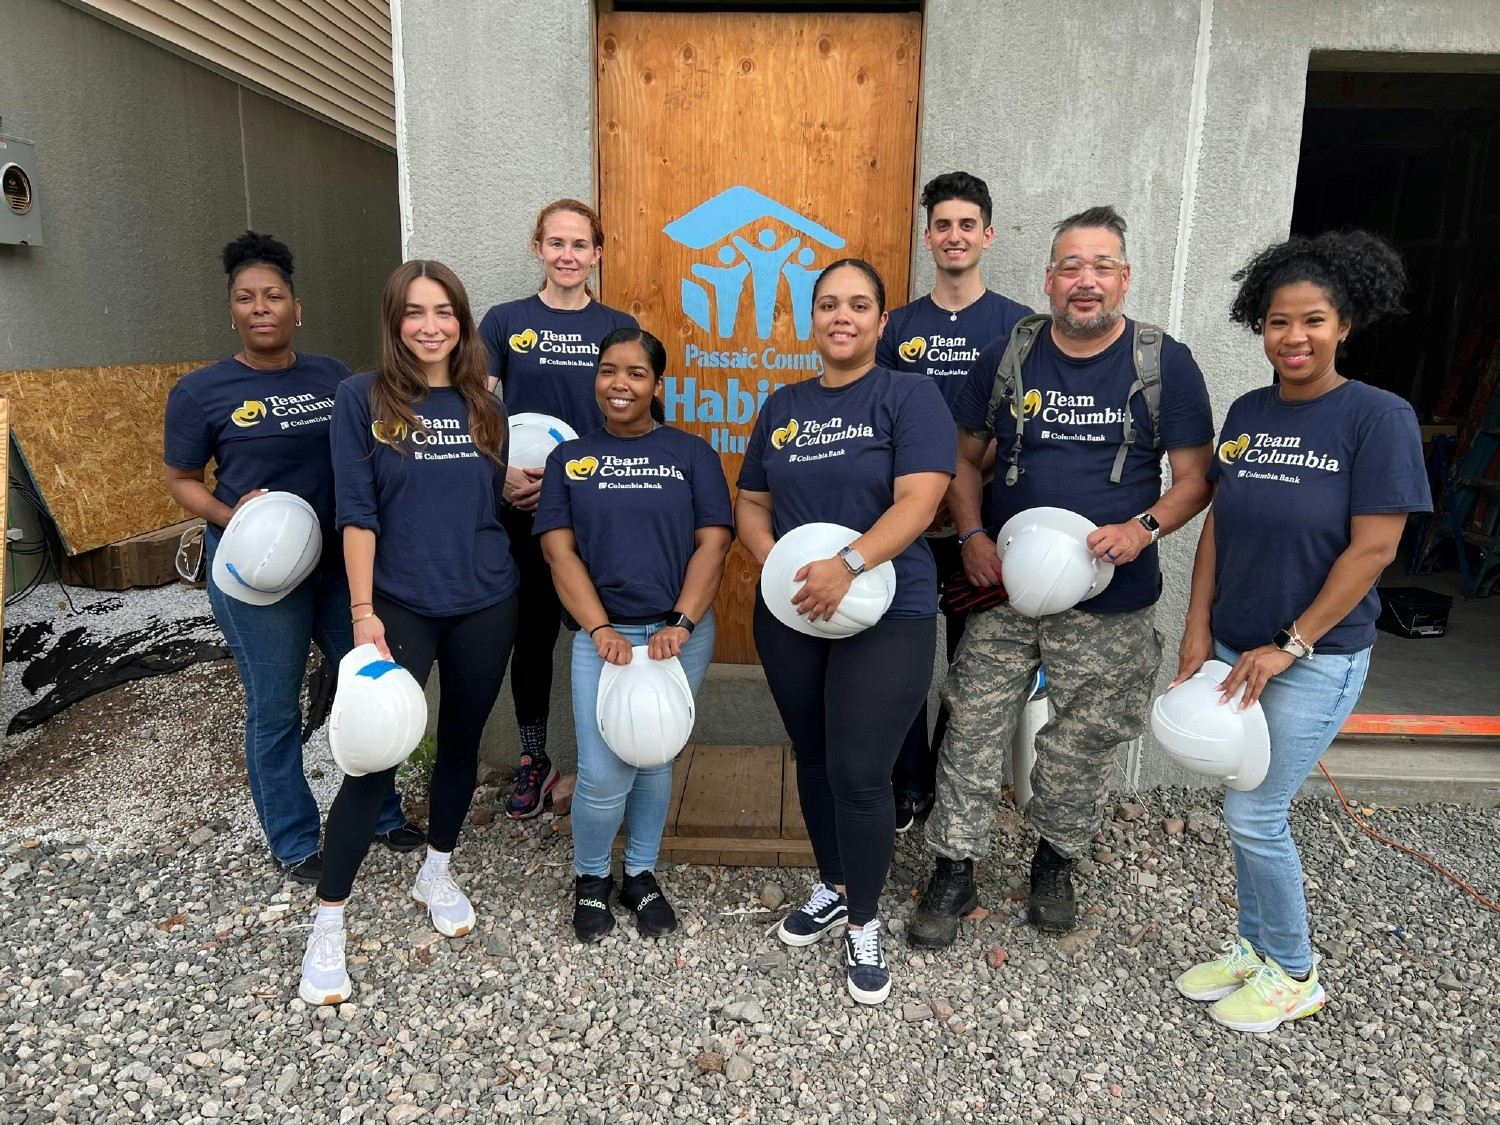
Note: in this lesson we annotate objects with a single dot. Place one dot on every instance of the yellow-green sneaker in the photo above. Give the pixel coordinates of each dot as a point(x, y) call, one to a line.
point(1213, 980)
point(1268, 999)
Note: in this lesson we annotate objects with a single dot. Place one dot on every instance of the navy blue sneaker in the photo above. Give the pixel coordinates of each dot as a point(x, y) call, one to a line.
point(814, 918)
point(869, 979)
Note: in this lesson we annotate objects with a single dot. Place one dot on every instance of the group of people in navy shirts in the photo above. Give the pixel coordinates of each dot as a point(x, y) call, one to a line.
point(437, 550)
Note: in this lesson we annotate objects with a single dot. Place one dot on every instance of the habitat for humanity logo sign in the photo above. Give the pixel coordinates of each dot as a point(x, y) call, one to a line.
point(745, 251)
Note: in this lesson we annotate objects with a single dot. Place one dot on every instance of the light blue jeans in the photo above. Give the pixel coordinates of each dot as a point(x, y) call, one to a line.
point(608, 789)
point(270, 645)
point(1305, 706)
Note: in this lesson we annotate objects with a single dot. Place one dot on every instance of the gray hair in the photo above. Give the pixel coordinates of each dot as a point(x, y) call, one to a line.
point(1105, 216)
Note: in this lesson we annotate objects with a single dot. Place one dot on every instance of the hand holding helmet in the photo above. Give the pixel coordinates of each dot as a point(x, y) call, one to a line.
point(1046, 564)
point(379, 713)
point(644, 709)
point(1201, 733)
point(805, 556)
point(824, 584)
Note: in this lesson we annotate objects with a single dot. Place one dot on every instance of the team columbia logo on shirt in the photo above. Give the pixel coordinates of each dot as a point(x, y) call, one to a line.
point(550, 346)
point(388, 435)
point(1031, 403)
point(523, 342)
point(814, 433)
point(1275, 449)
point(914, 349)
point(622, 472)
point(582, 468)
point(786, 433)
point(249, 414)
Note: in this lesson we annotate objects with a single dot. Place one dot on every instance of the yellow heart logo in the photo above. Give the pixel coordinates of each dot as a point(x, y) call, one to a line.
point(1231, 450)
point(582, 468)
point(914, 348)
point(780, 437)
point(249, 414)
point(1032, 403)
point(382, 433)
point(523, 341)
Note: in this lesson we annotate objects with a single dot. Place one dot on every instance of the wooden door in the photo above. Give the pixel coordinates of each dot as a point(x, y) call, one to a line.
point(739, 153)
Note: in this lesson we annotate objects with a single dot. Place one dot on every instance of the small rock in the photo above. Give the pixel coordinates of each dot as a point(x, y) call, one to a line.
point(1144, 879)
point(1130, 811)
point(978, 914)
point(212, 1039)
point(202, 836)
point(942, 1010)
point(996, 957)
point(745, 1011)
point(198, 1059)
point(1450, 983)
point(1077, 941)
point(1424, 1103)
point(402, 1114)
point(710, 1062)
point(1174, 826)
point(481, 816)
point(563, 826)
point(738, 1069)
point(914, 1011)
point(1104, 857)
point(562, 794)
point(772, 896)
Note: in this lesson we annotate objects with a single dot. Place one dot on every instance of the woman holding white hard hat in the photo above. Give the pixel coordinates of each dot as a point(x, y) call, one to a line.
point(418, 454)
point(1315, 475)
point(872, 449)
point(543, 352)
point(261, 416)
point(635, 524)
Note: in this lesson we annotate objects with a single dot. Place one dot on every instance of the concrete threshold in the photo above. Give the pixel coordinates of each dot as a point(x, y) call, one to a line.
point(1406, 771)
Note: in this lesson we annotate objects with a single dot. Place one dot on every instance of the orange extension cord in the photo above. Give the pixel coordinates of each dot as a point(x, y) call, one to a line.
point(1439, 868)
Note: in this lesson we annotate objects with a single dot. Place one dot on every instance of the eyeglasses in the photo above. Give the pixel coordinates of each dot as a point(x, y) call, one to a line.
point(1102, 267)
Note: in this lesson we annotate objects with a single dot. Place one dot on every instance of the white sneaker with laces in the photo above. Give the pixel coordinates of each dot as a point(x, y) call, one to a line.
point(324, 978)
point(869, 979)
point(447, 906)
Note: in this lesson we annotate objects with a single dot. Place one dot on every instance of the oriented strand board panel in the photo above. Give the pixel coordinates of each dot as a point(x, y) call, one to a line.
point(92, 439)
point(739, 154)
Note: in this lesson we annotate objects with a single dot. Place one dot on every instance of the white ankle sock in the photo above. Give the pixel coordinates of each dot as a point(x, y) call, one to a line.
point(436, 859)
point(330, 917)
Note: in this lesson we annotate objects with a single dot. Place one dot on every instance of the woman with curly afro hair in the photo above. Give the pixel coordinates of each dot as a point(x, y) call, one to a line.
point(237, 414)
point(1314, 476)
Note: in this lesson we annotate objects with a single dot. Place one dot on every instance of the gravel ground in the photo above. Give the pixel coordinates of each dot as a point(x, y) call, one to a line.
point(148, 970)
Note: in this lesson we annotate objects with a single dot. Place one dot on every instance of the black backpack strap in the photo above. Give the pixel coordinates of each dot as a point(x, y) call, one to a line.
point(1008, 386)
point(1146, 355)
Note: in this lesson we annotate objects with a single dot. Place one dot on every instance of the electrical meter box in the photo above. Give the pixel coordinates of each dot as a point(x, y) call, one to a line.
point(20, 187)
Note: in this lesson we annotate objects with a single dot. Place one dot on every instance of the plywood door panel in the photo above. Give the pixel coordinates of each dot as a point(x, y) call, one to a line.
point(739, 153)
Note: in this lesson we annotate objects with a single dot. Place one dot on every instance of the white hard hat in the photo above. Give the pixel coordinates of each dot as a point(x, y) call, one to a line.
point(1211, 739)
point(645, 709)
point(379, 713)
point(869, 596)
point(533, 436)
point(1045, 562)
point(271, 544)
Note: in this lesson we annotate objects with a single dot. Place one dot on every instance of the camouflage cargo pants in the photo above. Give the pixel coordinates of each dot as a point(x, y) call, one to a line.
point(1100, 671)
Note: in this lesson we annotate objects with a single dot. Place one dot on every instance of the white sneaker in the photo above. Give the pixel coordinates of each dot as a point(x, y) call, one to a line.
point(324, 978)
point(449, 909)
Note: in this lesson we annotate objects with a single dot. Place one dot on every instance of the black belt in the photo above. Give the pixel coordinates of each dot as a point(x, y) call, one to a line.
point(653, 619)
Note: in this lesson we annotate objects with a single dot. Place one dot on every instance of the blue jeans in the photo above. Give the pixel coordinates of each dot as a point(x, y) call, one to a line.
point(1305, 706)
point(608, 789)
point(270, 645)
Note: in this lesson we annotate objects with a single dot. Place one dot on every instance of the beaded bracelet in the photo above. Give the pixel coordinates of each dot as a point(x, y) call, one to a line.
point(966, 536)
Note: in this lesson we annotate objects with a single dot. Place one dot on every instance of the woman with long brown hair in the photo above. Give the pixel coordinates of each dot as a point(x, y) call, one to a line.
point(418, 456)
point(544, 350)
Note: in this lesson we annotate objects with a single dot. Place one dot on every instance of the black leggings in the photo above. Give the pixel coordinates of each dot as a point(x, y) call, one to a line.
point(847, 703)
point(538, 623)
point(471, 650)
point(916, 766)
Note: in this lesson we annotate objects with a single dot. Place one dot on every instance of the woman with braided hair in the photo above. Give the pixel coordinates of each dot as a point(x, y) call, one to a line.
point(1322, 470)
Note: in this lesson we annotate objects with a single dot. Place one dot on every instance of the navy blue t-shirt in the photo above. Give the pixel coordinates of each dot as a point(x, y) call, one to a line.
point(546, 358)
point(1074, 425)
point(1291, 475)
point(927, 340)
point(440, 549)
point(832, 455)
point(633, 505)
point(261, 429)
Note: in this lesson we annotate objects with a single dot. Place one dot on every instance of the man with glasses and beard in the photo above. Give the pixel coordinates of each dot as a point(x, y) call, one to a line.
point(1079, 378)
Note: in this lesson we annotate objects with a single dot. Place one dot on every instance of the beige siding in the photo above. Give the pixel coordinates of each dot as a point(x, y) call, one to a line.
point(332, 57)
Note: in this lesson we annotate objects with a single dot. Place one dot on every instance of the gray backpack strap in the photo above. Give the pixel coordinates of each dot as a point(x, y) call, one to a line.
point(1146, 354)
point(1008, 386)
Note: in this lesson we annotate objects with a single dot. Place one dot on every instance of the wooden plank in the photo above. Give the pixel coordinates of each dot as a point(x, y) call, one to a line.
point(732, 791)
point(739, 153)
point(714, 849)
point(680, 770)
point(4, 510)
point(793, 827)
point(1445, 726)
point(92, 439)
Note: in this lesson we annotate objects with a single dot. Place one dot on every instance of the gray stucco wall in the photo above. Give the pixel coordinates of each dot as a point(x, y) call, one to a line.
point(149, 164)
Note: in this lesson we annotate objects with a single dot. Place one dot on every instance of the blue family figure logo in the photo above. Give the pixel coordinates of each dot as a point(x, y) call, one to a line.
point(762, 262)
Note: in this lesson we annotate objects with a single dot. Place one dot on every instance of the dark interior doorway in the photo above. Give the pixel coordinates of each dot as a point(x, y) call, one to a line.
point(1414, 155)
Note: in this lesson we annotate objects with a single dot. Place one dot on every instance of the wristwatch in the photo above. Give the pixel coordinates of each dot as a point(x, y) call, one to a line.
point(1151, 524)
point(853, 561)
point(682, 621)
point(1287, 640)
